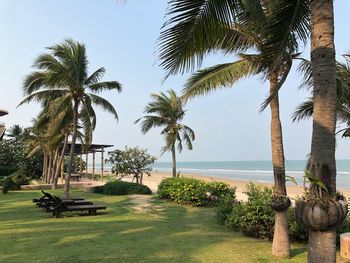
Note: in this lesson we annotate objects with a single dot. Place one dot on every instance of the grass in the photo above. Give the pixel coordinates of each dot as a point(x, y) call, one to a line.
point(166, 232)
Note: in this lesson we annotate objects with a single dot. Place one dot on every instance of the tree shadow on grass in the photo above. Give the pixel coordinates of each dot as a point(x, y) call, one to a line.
point(298, 251)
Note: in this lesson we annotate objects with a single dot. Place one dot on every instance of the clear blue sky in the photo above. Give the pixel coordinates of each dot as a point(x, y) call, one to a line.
point(122, 38)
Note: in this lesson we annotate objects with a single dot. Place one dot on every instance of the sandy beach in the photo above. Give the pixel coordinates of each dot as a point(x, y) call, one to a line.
point(156, 177)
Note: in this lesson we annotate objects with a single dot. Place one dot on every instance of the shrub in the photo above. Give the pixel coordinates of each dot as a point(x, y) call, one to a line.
point(297, 232)
point(254, 217)
point(8, 184)
point(7, 170)
point(225, 207)
point(193, 191)
point(122, 188)
point(20, 178)
point(14, 157)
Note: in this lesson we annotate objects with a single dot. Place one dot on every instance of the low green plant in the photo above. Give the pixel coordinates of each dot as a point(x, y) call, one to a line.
point(254, 217)
point(297, 232)
point(8, 184)
point(122, 188)
point(20, 177)
point(14, 181)
point(193, 191)
point(7, 170)
point(225, 207)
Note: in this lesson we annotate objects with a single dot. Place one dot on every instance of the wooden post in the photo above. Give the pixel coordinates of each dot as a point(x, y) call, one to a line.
point(102, 160)
point(93, 164)
point(86, 164)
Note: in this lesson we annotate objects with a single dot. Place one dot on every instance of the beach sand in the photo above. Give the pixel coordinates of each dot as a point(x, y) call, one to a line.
point(153, 181)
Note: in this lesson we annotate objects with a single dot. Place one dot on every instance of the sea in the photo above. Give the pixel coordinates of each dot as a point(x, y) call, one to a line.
point(255, 171)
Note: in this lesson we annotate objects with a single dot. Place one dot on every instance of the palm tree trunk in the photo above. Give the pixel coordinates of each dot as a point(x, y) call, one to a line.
point(60, 160)
point(280, 244)
point(72, 148)
point(173, 155)
point(49, 169)
point(54, 165)
point(321, 247)
point(44, 167)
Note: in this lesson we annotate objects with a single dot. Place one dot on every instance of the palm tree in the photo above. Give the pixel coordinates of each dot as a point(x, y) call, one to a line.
point(305, 109)
point(15, 132)
point(233, 27)
point(321, 246)
point(166, 110)
point(62, 74)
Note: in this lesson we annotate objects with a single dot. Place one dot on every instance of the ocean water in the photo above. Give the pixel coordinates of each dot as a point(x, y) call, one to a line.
point(257, 171)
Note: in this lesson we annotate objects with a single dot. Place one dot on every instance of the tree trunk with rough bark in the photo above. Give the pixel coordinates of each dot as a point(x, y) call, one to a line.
point(54, 164)
point(72, 147)
point(44, 167)
point(280, 244)
point(49, 169)
point(321, 246)
point(60, 161)
point(173, 158)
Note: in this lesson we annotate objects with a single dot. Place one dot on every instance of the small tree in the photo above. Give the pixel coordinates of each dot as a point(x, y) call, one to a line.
point(131, 161)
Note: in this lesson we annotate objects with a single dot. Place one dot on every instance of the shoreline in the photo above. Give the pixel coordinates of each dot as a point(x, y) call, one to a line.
point(156, 177)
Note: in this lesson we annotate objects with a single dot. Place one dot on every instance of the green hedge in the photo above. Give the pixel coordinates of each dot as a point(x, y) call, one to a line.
point(122, 188)
point(194, 191)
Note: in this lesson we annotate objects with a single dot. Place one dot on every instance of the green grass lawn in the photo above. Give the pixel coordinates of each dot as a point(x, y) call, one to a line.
point(165, 232)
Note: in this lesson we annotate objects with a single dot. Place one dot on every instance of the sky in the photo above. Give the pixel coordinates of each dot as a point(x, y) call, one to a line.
point(123, 39)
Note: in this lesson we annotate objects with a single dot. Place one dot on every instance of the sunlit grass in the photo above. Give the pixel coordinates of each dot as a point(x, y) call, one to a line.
point(167, 233)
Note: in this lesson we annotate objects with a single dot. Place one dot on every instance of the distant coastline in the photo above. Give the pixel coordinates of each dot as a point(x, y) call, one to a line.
point(256, 171)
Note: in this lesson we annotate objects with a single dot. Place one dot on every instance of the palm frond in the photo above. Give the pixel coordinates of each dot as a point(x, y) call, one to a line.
point(42, 95)
point(289, 22)
point(224, 75)
point(95, 77)
point(106, 85)
point(303, 111)
point(103, 103)
point(183, 40)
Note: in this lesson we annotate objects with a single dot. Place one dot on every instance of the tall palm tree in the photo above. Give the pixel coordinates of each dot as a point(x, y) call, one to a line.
point(233, 27)
point(322, 244)
point(62, 73)
point(166, 110)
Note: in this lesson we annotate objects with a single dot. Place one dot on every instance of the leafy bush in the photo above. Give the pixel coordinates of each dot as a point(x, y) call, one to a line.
point(254, 217)
point(225, 207)
point(122, 188)
point(13, 157)
point(8, 184)
point(297, 232)
point(20, 178)
point(194, 191)
point(14, 181)
point(7, 170)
